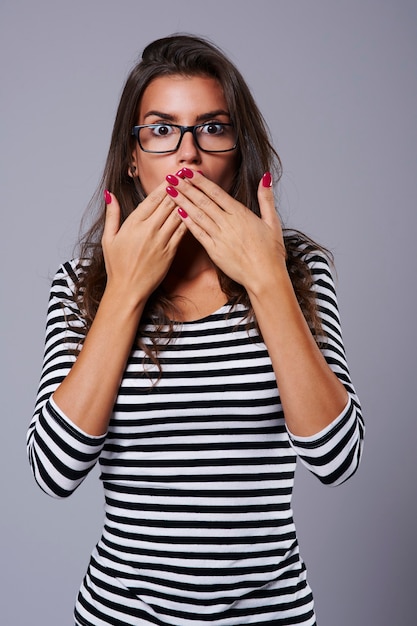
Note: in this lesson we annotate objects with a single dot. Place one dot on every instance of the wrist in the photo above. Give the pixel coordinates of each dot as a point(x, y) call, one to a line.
point(274, 281)
point(121, 302)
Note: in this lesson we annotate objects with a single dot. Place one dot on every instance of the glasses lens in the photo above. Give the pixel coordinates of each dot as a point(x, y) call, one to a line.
point(216, 137)
point(159, 137)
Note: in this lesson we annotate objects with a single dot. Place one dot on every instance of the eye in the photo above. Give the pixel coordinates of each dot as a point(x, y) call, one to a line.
point(162, 130)
point(213, 128)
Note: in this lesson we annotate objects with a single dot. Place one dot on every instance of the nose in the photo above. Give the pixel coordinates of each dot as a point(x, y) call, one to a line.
point(188, 151)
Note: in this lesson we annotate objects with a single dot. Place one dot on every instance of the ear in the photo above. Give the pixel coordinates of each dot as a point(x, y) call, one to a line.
point(133, 167)
point(132, 170)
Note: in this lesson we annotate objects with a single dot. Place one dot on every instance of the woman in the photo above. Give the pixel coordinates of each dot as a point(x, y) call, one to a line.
point(166, 345)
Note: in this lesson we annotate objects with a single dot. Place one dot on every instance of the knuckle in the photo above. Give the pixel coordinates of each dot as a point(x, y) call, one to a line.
point(205, 202)
point(216, 193)
point(199, 216)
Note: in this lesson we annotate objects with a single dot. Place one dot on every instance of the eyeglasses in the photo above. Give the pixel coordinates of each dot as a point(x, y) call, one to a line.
point(164, 138)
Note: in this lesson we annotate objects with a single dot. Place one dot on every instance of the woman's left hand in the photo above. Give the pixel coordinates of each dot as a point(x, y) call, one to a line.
point(250, 249)
point(245, 247)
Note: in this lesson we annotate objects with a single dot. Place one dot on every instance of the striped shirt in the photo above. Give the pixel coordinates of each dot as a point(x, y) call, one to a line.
point(197, 468)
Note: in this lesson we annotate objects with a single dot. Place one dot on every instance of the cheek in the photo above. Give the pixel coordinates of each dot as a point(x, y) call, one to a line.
point(152, 171)
point(148, 175)
point(228, 173)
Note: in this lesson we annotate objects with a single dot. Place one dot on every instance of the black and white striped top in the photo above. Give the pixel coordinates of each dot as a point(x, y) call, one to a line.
point(197, 472)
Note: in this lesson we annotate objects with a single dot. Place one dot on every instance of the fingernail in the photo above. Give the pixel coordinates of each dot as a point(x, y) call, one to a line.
point(187, 172)
point(267, 179)
point(200, 172)
point(172, 192)
point(183, 213)
point(180, 173)
point(173, 180)
point(107, 197)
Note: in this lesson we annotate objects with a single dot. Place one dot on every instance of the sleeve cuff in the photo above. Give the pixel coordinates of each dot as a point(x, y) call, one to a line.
point(326, 433)
point(72, 428)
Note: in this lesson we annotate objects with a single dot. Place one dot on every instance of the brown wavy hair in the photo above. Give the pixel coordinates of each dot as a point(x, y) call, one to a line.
point(188, 56)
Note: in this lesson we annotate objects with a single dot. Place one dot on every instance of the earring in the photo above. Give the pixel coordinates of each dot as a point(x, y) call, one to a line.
point(132, 171)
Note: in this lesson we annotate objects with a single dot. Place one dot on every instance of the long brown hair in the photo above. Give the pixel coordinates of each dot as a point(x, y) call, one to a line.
point(188, 56)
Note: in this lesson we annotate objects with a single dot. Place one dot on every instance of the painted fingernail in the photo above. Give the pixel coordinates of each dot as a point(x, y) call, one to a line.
point(180, 173)
point(267, 179)
point(107, 197)
point(200, 172)
point(173, 180)
point(187, 172)
point(171, 191)
point(183, 213)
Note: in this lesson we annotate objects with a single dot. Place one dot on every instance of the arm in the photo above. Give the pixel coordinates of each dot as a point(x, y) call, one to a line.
point(137, 256)
point(333, 454)
point(60, 454)
point(311, 394)
point(76, 394)
point(251, 251)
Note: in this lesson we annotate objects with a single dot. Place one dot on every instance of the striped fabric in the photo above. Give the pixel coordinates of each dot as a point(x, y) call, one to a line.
point(197, 470)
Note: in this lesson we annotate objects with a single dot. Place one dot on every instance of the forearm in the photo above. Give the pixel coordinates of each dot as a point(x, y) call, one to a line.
point(311, 394)
point(87, 394)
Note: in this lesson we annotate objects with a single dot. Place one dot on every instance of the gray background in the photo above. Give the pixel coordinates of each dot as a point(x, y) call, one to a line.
point(336, 81)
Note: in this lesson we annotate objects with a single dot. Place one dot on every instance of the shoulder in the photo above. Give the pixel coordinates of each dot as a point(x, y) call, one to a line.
point(302, 248)
point(68, 276)
point(310, 261)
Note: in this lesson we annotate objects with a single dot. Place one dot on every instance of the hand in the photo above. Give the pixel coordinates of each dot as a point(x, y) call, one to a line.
point(138, 253)
point(247, 248)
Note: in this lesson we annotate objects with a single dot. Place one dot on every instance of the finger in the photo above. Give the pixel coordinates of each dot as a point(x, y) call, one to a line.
point(213, 196)
point(266, 200)
point(199, 233)
point(178, 230)
point(204, 215)
point(173, 227)
point(155, 199)
point(112, 218)
point(207, 216)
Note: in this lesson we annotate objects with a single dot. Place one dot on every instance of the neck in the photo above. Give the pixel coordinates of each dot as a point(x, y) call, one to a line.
point(190, 261)
point(192, 282)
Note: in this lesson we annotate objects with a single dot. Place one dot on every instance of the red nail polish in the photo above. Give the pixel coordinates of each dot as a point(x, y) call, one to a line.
point(107, 197)
point(171, 191)
point(173, 180)
point(267, 179)
point(180, 173)
point(183, 213)
point(187, 172)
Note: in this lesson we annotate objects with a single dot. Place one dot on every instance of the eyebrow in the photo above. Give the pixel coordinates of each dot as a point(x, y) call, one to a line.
point(200, 118)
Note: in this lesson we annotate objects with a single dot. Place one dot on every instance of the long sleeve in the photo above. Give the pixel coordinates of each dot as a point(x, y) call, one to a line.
point(60, 454)
point(334, 453)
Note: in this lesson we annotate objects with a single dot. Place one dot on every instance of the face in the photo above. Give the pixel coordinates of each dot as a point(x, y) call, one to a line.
point(185, 101)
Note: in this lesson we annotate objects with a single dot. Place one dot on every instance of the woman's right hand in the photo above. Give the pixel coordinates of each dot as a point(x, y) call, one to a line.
point(137, 256)
point(139, 253)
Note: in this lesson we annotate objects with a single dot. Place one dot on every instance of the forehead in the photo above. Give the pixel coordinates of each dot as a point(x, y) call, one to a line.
point(182, 96)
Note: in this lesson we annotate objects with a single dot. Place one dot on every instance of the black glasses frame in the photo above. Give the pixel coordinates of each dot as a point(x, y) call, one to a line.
point(183, 130)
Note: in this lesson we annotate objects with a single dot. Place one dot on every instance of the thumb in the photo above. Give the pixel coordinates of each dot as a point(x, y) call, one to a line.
point(112, 219)
point(266, 199)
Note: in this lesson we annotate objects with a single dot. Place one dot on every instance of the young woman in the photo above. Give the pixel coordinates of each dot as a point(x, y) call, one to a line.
point(195, 351)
